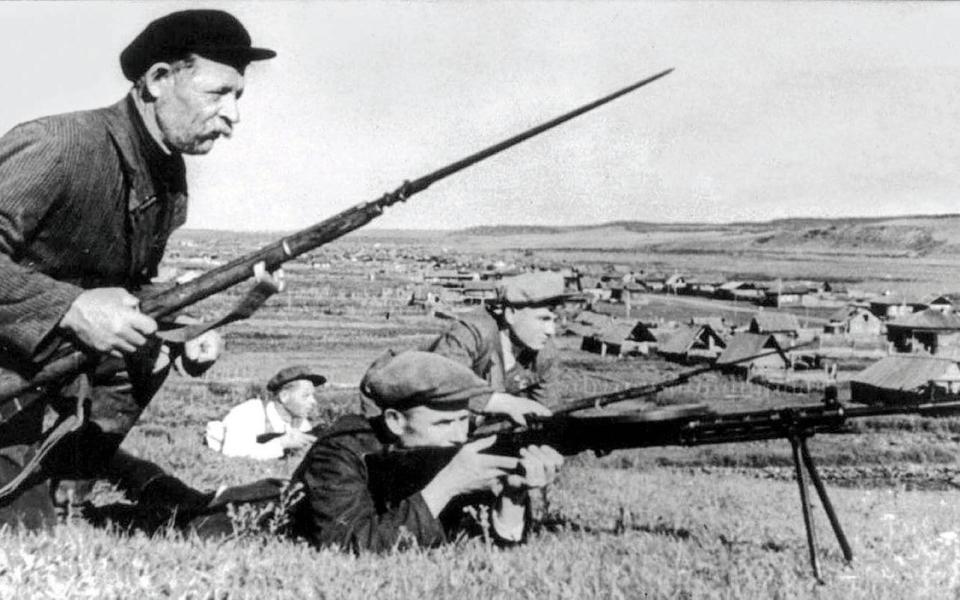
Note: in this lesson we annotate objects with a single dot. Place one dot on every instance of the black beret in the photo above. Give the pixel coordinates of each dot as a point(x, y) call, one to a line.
point(214, 34)
point(288, 374)
point(415, 378)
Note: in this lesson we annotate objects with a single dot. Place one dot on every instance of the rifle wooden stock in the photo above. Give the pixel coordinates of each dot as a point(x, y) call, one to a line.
point(69, 361)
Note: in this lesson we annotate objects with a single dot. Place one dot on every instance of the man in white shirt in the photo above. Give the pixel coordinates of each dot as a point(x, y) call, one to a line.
point(268, 428)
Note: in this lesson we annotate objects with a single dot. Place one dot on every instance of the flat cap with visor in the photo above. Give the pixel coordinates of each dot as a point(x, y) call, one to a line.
point(414, 378)
point(294, 373)
point(213, 34)
point(542, 288)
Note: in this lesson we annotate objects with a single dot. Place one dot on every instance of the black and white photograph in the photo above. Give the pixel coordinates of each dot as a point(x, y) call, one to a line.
point(470, 300)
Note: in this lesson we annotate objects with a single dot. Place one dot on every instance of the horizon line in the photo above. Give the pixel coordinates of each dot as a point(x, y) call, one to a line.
point(614, 223)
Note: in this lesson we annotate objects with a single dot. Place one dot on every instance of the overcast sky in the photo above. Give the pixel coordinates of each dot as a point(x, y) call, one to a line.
point(774, 110)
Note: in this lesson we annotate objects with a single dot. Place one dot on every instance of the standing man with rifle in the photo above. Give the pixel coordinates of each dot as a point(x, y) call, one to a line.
point(87, 202)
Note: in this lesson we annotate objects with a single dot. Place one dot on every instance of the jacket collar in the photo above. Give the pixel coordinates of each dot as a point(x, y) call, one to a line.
point(141, 156)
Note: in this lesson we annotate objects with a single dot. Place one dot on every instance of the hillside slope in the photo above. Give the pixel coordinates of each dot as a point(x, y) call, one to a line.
point(895, 237)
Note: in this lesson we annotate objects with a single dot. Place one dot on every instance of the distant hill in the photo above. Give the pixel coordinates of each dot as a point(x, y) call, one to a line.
point(655, 226)
point(912, 235)
point(905, 236)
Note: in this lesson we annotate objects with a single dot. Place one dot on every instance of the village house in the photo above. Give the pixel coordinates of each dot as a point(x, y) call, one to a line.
point(571, 279)
point(743, 291)
point(615, 340)
point(625, 292)
point(593, 289)
point(451, 279)
point(940, 303)
point(749, 353)
point(587, 323)
point(707, 289)
point(784, 325)
point(929, 331)
point(716, 322)
point(424, 296)
point(854, 321)
point(655, 282)
point(793, 294)
point(890, 307)
point(675, 284)
point(904, 379)
point(479, 292)
point(691, 343)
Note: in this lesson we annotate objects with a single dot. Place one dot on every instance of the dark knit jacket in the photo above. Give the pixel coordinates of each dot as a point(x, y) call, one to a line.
point(87, 199)
point(339, 507)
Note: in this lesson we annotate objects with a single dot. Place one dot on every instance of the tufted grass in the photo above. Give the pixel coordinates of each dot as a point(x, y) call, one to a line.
point(607, 534)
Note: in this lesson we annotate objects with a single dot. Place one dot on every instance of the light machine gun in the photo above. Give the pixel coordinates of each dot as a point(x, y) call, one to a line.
point(401, 473)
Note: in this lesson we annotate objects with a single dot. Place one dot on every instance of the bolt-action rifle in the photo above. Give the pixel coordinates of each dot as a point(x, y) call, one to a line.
point(398, 474)
point(16, 395)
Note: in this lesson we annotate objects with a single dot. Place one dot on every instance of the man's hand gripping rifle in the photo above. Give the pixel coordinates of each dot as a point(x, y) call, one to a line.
point(405, 472)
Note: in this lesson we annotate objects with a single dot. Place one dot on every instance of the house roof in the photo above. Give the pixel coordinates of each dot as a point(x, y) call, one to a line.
point(744, 345)
point(715, 322)
point(647, 332)
point(676, 278)
point(588, 282)
point(580, 329)
point(907, 372)
point(617, 333)
point(847, 312)
point(792, 288)
point(478, 286)
point(595, 319)
point(769, 321)
point(927, 319)
point(896, 301)
point(681, 339)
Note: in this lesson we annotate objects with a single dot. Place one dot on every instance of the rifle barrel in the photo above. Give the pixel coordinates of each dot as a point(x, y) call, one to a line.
point(273, 255)
point(649, 389)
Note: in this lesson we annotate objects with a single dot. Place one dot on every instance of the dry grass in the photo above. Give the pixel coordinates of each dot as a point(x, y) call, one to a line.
point(710, 522)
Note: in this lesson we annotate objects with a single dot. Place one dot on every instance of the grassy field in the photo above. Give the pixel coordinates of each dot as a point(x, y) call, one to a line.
point(708, 522)
point(610, 534)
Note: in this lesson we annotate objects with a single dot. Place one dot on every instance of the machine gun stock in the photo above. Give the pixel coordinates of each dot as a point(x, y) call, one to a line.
point(401, 473)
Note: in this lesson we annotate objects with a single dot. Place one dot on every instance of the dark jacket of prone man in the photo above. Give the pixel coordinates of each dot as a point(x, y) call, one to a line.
point(340, 506)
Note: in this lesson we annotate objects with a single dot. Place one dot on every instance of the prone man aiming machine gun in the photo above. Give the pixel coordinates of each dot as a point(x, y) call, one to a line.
point(401, 473)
